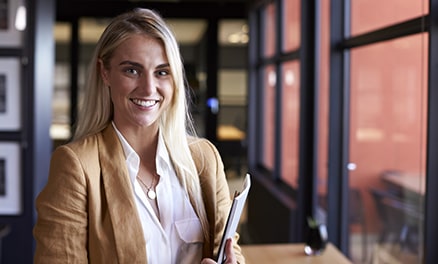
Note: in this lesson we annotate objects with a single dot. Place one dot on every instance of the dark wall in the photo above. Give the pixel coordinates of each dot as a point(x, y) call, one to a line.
point(17, 243)
point(271, 213)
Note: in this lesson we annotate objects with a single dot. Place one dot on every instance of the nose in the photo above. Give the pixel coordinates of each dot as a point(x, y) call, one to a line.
point(148, 83)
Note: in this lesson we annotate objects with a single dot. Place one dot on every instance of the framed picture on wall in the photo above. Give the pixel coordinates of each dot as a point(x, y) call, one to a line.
point(10, 178)
point(10, 91)
point(10, 36)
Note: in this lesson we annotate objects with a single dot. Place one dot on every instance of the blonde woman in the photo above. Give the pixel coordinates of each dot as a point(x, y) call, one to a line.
point(134, 185)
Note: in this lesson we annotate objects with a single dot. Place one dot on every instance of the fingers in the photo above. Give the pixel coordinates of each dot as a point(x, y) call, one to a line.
point(208, 261)
point(229, 252)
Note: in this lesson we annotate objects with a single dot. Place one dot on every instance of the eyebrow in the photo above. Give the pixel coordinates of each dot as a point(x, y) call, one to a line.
point(160, 66)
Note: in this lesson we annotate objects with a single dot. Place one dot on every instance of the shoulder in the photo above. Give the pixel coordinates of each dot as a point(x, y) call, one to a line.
point(202, 147)
point(204, 154)
point(87, 149)
point(80, 146)
point(90, 144)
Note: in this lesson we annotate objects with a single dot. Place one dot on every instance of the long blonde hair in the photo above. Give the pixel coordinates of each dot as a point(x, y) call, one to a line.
point(175, 124)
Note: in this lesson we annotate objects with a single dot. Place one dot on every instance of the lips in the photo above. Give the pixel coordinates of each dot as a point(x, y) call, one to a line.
point(145, 103)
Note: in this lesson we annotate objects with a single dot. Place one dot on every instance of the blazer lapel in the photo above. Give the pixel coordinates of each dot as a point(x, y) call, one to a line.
point(129, 241)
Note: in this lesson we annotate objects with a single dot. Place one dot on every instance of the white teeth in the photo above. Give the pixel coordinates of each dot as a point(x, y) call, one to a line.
point(144, 103)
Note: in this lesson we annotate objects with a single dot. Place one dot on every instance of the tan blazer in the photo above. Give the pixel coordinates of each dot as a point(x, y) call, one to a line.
point(87, 212)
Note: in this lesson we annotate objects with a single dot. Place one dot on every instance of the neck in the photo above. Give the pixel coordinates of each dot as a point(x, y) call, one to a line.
point(144, 141)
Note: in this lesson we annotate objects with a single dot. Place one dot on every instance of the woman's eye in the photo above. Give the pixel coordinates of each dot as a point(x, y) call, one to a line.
point(132, 71)
point(163, 72)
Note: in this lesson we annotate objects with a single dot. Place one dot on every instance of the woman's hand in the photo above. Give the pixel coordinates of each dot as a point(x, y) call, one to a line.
point(229, 252)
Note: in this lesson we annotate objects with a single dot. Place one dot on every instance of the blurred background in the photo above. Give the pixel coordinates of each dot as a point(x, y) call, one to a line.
point(330, 105)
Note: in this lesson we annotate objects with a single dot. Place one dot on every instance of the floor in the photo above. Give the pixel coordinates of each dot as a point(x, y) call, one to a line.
point(381, 253)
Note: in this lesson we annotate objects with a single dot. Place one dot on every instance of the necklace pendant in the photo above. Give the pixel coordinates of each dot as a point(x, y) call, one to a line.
point(151, 194)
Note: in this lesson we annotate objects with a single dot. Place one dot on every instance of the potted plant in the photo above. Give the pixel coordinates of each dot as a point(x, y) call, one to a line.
point(316, 239)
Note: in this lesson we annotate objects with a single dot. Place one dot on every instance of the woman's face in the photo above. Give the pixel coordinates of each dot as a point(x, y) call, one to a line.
point(140, 82)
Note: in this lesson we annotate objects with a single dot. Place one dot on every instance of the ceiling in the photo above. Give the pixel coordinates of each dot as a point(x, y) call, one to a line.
point(233, 28)
point(72, 9)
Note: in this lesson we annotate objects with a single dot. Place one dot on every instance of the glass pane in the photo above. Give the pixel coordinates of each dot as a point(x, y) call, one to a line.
point(291, 25)
point(387, 149)
point(60, 128)
point(231, 121)
point(290, 122)
point(269, 94)
point(323, 110)
point(367, 15)
point(269, 30)
point(90, 30)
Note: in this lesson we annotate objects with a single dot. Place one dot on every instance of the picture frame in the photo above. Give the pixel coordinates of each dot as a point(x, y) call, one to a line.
point(10, 94)
point(10, 179)
point(9, 35)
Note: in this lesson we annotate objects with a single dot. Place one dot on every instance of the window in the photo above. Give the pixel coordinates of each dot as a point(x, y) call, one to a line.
point(291, 25)
point(372, 119)
point(270, 80)
point(388, 101)
point(269, 35)
point(368, 15)
point(290, 122)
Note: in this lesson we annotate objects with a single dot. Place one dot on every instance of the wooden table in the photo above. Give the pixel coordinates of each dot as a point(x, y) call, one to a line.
point(230, 145)
point(412, 183)
point(290, 254)
point(230, 133)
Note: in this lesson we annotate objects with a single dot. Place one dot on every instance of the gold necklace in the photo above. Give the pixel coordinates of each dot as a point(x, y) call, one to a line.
point(150, 190)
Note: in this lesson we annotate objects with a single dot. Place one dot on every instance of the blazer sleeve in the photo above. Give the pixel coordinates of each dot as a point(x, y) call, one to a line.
point(216, 193)
point(61, 227)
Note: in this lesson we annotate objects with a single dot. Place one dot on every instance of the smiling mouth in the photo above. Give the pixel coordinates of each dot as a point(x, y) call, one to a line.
point(145, 103)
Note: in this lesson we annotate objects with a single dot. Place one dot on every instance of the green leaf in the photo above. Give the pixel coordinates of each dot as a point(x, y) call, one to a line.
point(312, 222)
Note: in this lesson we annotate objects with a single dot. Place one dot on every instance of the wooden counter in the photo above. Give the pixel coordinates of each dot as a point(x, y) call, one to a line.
point(413, 183)
point(290, 253)
point(230, 133)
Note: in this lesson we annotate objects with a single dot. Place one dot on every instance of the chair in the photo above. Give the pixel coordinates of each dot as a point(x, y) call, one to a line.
point(399, 220)
point(357, 216)
point(389, 223)
point(392, 188)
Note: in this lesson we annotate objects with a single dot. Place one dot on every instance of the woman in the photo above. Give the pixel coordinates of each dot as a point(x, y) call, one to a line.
point(133, 186)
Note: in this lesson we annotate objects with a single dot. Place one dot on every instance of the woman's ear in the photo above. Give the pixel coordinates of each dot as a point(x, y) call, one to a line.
point(103, 72)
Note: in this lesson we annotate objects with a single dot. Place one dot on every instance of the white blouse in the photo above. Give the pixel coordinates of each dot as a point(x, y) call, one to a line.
point(178, 237)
